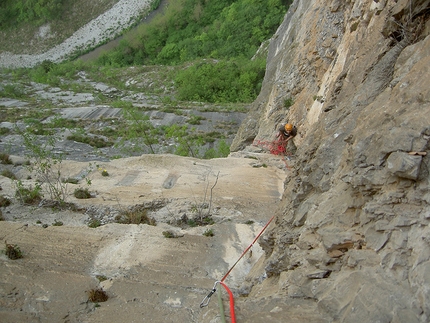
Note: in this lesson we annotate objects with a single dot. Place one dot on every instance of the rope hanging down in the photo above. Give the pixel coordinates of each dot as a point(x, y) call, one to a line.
point(207, 299)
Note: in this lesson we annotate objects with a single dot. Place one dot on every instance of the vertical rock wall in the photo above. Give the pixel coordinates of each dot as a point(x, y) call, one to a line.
point(353, 230)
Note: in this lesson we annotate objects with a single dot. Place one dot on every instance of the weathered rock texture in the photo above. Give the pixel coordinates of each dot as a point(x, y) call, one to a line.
point(352, 234)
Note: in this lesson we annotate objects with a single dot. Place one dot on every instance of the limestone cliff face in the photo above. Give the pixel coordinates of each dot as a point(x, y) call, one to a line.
point(353, 230)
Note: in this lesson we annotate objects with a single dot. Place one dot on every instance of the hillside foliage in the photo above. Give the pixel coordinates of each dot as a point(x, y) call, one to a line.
point(219, 37)
point(212, 44)
point(14, 12)
point(191, 29)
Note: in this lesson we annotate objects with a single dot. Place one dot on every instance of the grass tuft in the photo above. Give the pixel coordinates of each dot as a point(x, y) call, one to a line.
point(135, 216)
point(97, 295)
point(13, 251)
point(82, 193)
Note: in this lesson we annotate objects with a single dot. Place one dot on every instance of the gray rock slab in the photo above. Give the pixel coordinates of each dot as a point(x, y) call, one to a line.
point(404, 165)
point(92, 113)
point(10, 103)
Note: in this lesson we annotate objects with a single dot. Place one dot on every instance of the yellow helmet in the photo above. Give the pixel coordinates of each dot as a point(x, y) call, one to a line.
point(289, 127)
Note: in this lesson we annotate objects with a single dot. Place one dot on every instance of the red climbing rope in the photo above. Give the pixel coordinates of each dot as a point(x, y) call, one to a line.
point(275, 147)
point(206, 300)
point(230, 295)
point(246, 250)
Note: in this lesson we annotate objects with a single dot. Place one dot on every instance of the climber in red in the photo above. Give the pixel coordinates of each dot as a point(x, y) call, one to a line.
point(285, 134)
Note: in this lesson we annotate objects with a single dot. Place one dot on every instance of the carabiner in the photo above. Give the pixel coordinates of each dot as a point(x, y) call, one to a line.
point(206, 300)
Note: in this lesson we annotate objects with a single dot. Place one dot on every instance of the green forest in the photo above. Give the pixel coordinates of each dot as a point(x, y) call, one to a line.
point(212, 43)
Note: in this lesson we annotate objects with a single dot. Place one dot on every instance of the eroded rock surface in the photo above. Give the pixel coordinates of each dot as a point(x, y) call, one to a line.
point(357, 203)
point(146, 274)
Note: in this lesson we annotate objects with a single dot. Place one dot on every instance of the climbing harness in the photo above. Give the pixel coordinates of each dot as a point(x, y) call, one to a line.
point(207, 299)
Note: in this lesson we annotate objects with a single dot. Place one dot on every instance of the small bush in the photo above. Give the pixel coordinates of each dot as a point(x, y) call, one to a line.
point(12, 91)
point(82, 193)
point(135, 216)
point(192, 223)
point(4, 201)
point(47, 65)
point(208, 233)
point(101, 278)
point(154, 5)
point(9, 174)
point(201, 220)
point(288, 102)
point(94, 223)
point(168, 234)
point(94, 141)
point(105, 173)
point(29, 195)
point(5, 159)
point(195, 120)
point(57, 223)
point(13, 251)
point(4, 131)
point(97, 295)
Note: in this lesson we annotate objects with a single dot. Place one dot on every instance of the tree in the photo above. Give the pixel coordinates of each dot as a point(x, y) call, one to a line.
point(139, 127)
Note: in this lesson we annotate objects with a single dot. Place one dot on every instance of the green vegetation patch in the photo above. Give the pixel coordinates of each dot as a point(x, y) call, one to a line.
point(12, 91)
point(4, 131)
point(13, 251)
point(191, 29)
point(209, 233)
point(9, 174)
point(28, 195)
point(201, 33)
point(94, 223)
point(136, 215)
point(94, 141)
point(221, 81)
point(82, 193)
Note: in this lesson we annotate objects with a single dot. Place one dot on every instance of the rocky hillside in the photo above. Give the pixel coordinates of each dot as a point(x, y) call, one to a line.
point(351, 238)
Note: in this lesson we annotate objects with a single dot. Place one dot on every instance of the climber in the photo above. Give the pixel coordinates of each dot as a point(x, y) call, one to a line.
point(285, 133)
